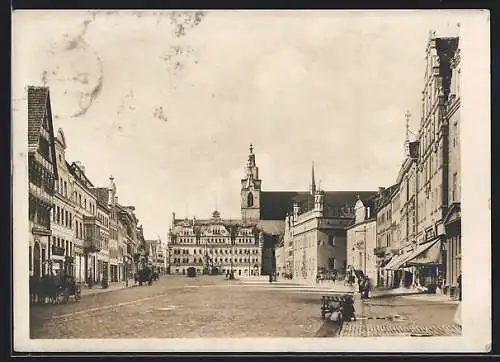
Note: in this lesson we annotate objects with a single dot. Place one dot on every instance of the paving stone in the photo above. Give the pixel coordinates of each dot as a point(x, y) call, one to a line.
point(213, 307)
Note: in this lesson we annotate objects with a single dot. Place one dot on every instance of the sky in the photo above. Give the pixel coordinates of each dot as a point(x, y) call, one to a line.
point(168, 103)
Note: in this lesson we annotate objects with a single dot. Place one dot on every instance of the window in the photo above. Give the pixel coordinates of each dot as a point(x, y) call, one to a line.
point(250, 200)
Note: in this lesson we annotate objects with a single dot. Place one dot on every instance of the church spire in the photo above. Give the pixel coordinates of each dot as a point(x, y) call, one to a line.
point(313, 181)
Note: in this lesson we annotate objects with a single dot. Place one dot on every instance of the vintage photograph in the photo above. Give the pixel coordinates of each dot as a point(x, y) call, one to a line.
point(240, 174)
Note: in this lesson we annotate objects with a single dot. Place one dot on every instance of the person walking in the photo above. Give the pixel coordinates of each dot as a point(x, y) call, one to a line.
point(459, 283)
point(366, 288)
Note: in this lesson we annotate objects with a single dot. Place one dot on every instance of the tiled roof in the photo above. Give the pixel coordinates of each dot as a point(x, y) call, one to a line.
point(101, 194)
point(272, 227)
point(275, 205)
point(37, 105)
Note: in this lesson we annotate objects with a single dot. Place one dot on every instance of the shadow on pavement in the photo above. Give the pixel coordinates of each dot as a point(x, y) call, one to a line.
point(329, 329)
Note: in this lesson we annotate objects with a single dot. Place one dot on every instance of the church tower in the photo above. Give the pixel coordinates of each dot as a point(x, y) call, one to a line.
point(250, 191)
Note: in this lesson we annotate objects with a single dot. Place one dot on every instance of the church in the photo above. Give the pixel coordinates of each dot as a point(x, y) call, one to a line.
point(247, 245)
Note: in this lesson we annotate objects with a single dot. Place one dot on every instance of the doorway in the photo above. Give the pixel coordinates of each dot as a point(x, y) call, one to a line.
point(36, 260)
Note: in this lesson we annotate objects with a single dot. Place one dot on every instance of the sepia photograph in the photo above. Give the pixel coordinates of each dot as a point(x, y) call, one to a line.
point(251, 181)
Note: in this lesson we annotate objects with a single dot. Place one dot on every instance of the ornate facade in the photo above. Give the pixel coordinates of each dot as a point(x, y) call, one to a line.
point(215, 244)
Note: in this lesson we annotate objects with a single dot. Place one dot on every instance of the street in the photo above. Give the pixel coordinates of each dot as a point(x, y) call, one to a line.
point(210, 306)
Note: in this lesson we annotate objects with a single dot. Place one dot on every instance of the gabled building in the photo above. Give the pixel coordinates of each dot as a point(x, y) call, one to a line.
point(42, 173)
point(66, 248)
point(362, 238)
point(85, 233)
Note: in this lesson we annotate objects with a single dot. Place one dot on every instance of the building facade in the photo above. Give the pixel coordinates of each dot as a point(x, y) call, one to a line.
point(214, 244)
point(386, 246)
point(64, 244)
point(429, 195)
point(362, 240)
point(319, 238)
point(452, 258)
point(42, 173)
point(85, 208)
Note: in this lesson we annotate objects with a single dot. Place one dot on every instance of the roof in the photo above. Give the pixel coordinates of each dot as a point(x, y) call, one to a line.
point(276, 204)
point(38, 107)
point(385, 196)
point(38, 101)
point(102, 195)
point(272, 227)
point(78, 173)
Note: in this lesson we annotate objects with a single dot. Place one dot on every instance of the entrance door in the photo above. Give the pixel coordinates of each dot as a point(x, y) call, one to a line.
point(36, 260)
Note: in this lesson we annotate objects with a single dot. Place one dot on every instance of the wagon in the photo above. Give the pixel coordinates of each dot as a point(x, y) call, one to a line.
point(343, 304)
point(144, 276)
point(54, 289)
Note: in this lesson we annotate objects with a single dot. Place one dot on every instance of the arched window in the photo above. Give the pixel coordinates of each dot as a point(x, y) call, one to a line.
point(250, 200)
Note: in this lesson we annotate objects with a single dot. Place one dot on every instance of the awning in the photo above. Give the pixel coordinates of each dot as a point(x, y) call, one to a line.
point(427, 254)
point(396, 262)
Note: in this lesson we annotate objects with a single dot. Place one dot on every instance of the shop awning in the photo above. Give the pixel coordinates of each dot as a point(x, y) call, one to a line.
point(396, 262)
point(426, 254)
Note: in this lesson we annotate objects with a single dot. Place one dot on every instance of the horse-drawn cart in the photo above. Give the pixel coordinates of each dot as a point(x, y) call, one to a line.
point(53, 289)
point(338, 307)
point(143, 276)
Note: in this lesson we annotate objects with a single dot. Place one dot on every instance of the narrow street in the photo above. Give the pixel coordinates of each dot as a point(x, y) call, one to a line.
point(180, 307)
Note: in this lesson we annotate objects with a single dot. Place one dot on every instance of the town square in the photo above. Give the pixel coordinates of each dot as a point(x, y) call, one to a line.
point(298, 176)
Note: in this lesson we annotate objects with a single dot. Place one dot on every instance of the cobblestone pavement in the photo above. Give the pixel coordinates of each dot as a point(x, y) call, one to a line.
point(402, 316)
point(180, 307)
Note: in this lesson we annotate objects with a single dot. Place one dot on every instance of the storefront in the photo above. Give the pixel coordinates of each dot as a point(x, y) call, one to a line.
point(417, 267)
point(452, 258)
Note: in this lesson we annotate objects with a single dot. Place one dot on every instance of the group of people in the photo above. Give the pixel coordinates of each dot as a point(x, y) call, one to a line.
point(364, 283)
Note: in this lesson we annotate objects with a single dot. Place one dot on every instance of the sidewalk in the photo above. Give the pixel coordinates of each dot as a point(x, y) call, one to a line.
point(97, 289)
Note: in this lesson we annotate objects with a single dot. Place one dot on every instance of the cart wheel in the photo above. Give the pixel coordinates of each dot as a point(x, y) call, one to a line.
point(66, 296)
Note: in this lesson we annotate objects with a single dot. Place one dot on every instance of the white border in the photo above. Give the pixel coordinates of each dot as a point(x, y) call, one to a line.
point(476, 236)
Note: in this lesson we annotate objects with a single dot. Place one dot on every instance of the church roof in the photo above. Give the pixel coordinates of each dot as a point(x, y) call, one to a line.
point(275, 205)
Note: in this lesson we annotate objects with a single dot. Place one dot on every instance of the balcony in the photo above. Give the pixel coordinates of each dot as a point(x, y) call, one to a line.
point(40, 194)
point(57, 250)
point(92, 242)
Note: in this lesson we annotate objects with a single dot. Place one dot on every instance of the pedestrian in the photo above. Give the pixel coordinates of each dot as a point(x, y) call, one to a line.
point(270, 277)
point(459, 283)
point(366, 288)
